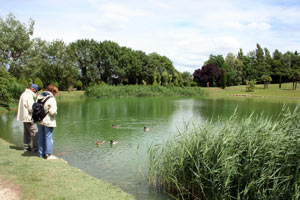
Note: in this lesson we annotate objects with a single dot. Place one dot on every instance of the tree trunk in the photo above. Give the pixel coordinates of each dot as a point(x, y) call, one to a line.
point(265, 85)
point(280, 81)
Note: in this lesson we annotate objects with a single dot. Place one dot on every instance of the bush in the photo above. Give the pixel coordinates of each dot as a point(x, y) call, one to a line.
point(39, 83)
point(250, 85)
point(78, 85)
point(23, 82)
point(15, 89)
point(252, 158)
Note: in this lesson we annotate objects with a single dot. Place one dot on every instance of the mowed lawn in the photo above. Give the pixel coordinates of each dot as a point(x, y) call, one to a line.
point(273, 91)
point(37, 178)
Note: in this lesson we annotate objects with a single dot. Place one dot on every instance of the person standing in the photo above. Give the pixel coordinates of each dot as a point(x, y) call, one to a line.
point(46, 126)
point(24, 115)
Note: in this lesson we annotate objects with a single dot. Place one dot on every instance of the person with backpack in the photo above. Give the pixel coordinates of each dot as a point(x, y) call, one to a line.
point(24, 115)
point(48, 122)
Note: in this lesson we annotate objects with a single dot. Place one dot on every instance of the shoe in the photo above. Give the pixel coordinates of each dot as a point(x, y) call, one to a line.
point(51, 157)
point(35, 151)
point(27, 150)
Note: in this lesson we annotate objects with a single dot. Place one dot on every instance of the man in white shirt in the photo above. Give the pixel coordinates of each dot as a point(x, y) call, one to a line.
point(24, 115)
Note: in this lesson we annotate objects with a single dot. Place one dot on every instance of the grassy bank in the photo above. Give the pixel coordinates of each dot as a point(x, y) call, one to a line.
point(51, 179)
point(253, 158)
point(105, 91)
point(273, 91)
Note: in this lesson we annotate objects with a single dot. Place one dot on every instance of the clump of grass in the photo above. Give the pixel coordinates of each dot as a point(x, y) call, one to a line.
point(252, 158)
point(105, 91)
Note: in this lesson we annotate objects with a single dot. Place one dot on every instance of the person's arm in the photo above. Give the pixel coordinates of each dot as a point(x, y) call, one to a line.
point(53, 107)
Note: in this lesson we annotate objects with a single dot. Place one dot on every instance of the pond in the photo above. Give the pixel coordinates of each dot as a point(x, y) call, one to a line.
point(81, 121)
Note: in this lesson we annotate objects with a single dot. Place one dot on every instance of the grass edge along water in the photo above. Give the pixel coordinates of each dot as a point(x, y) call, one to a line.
point(106, 91)
point(250, 158)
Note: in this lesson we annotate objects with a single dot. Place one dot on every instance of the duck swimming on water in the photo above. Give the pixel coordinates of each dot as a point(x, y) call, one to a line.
point(100, 142)
point(147, 128)
point(113, 141)
point(115, 126)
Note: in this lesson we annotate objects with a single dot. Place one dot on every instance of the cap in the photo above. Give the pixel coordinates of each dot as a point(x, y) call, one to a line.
point(35, 86)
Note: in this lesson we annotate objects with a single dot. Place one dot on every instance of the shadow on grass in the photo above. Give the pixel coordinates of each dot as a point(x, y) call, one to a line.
point(18, 148)
point(29, 153)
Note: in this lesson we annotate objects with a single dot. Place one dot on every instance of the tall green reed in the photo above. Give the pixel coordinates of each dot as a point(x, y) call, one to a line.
point(106, 91)
point(251, 158)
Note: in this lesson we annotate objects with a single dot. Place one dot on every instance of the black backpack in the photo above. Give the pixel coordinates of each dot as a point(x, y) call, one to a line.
point(38, 111)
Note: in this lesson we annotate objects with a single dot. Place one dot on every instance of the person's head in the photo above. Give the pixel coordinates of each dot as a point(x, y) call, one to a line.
point(52, 89)
point(34, 88)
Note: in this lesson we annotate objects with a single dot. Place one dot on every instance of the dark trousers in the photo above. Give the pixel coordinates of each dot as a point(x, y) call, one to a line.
point(30, 134)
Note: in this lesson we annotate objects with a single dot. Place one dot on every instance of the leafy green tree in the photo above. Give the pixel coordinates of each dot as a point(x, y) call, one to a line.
point(217, 60)
point(85, 55)
point(237, 68)
point(277, 66)
point(266, 80)
point(57, 66)
point(146, 73)
point(5, 80)
point(14, 42)
point(187, 78)
point(109, 60)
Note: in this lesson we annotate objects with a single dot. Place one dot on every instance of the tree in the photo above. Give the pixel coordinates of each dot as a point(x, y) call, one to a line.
point(237, 69)
point(85, 55)
point(209, 73)
point(14, 41)
point(217, 60)
point(57, 66)
point(266, 79)
point(109, 60)
point(187, 78)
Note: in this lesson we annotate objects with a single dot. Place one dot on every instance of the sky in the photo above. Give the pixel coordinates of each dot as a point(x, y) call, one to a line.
point(185, 31)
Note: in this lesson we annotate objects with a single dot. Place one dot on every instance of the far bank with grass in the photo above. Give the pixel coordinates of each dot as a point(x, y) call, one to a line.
point(40, 179)
point(273, 91)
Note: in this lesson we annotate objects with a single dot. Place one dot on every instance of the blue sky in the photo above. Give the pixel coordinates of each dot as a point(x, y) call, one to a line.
point(186, 31)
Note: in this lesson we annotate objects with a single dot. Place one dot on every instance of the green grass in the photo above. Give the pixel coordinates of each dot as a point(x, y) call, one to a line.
point(252, 158)
point(273, 91)
point(105, 91)
point(51, 179)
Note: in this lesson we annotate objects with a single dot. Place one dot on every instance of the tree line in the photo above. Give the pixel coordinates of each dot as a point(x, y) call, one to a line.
point(258, 66)
point(80, 64)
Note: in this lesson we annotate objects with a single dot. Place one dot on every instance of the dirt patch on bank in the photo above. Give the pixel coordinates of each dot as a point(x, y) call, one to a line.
point(9, 191)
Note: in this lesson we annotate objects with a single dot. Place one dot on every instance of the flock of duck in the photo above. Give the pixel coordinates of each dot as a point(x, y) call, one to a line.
point(112, 142)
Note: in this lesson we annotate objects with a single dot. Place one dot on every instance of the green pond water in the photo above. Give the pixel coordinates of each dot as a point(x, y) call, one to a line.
point(81, 121)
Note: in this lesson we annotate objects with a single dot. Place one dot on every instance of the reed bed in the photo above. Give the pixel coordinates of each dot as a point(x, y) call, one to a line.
point(106, 91)
point(251, 158)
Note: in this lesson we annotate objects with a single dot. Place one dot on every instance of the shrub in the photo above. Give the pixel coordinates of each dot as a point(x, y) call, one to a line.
point(250, 85)
point(39, 83)
point(78, 85)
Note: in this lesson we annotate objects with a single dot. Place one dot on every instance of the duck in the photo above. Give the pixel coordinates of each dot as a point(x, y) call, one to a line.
point(115, 126)
point(113, 141)
point(100, 142)
point(147, 128)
